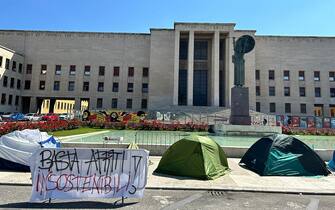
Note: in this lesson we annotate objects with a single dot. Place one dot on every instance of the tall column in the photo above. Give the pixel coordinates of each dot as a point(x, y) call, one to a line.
point(229, 71)
point(190, 62)
point(215, 69)
point(176, 67)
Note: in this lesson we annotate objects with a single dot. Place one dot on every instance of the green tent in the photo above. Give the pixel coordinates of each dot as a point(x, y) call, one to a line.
point(194, 156)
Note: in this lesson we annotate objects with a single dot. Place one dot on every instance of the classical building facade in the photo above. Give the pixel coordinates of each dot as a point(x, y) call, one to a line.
point(189, 66)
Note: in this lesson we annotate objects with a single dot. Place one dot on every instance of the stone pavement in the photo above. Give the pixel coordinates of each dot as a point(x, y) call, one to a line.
point(239, 179)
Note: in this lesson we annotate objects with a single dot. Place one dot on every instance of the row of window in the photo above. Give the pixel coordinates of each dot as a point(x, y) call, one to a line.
point(14, 65)
point(10, 99)
point(302, 91)
point(86, 86)
point(11, 83)
point(129, 103)
point(87, 70)
point(301, 75)
point(272, 107)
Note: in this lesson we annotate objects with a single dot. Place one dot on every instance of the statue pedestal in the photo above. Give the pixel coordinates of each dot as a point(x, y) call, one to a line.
point(240, 106)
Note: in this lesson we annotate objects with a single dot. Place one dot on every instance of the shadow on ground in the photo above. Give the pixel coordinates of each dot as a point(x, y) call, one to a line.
point(68, 205)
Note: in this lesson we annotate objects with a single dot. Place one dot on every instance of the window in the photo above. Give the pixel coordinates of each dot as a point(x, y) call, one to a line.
point(14, 66)
point(12, 82)
point(332, 76)
point(317, 92)
point(144, 87)
point(316, 76)
point(145, 72)
point(5, 81)
point(200, 50)
point(301, 75)
point(7, 63)
point(1, 61)
point(258, 91)
point(271, 74)
point(43, 69)
point(272, 107)
point(99, 103)
point(17, 98)
point(20, 68)
point(287, 108)
point(130, 87)
point(29, 68)
point(18, 84)
point(130, 71)
point(287, 91)
point(71, 86)
point(87, 70)
point(27, 84)
point(3, 98)
point(115, 87)
point(286, 75)
point(100, 87)
point(332, 92)
point(86, 86)
point(10, 99)
point(116, 71)
point(114, 103)
point(183, 49)
point(101, 70)
point(144, 104)
point(72, 70)
point(272, 91)
point(58, 70)
point(42, 85)
point(56, 85)
point(302, 91)
point(129, 103)
point(303, 109)
point(257, 76)
point(258, 106)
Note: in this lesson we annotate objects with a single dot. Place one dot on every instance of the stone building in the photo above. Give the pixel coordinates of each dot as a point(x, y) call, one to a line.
point(187, 67)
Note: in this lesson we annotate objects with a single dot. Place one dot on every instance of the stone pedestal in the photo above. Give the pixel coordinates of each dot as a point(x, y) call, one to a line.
point(240, 106)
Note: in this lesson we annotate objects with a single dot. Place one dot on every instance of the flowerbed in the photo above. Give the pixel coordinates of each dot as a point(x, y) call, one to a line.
point(46, 126)
point(148, 125)
point(308, 131)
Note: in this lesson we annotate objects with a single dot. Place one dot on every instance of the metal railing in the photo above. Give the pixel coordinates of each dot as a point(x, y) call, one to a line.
point(158, 137)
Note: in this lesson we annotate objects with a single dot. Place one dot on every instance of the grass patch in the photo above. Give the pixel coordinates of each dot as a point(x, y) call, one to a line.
point(81, 130)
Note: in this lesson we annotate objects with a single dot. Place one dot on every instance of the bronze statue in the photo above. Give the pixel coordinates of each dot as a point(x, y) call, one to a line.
point(243, 45)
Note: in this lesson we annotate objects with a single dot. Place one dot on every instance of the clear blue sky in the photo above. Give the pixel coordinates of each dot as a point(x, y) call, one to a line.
point(271, 17)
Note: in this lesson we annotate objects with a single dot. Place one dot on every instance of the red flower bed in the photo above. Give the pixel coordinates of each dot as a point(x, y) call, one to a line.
point(308, 131)
point(46, 126)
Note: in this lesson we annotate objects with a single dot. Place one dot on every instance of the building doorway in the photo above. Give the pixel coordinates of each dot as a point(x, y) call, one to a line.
point(318, 110)
point(25, 105)
point(200, 88)
point(332, 110)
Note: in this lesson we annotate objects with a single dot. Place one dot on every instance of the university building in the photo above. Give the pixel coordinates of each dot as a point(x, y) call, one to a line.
point(187, 67)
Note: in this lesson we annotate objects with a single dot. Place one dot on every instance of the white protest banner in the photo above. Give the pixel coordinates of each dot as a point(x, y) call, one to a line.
point(84, 173)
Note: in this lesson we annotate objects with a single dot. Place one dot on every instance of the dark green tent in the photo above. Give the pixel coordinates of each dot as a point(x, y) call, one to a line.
point(194, 156)
point(283, 155)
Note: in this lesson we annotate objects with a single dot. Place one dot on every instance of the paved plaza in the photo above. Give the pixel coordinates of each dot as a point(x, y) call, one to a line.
point(238, 179)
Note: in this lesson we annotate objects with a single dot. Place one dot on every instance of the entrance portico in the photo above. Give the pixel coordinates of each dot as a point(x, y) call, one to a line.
point(202, 61)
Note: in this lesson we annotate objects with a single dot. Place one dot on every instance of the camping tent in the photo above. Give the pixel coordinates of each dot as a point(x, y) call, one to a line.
point(17, 147)
point(194, 156)
point(331, 163)
point(282, 155)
